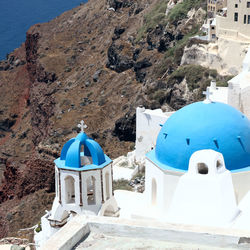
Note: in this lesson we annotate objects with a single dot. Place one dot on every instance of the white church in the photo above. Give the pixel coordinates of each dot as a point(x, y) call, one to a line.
point(197, 168)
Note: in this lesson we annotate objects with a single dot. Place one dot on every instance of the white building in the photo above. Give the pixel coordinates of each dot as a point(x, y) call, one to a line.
point(190, 152)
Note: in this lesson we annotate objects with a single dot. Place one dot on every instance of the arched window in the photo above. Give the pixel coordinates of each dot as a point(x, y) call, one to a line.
point(85, 160)
point(107, 186)
point(202, 168)
point(91, 190)
point(69, 189)
point(154, 192)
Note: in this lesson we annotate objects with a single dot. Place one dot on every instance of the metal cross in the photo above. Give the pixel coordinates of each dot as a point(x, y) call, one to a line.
point(207, 93)
point(82, 126)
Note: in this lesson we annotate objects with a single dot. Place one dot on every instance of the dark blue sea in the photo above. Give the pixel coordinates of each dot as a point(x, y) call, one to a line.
point(16, 16)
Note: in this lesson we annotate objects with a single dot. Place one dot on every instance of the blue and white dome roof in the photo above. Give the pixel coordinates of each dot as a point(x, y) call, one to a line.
point(201, 125)
point(77, 148)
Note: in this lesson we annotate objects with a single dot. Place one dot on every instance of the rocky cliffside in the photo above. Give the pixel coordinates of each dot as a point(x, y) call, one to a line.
point(97, 62)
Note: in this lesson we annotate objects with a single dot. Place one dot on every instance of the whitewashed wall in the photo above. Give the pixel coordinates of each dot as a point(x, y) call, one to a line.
point(147, 129)
point(241, 182)
point(166, 182)
point(204, 198)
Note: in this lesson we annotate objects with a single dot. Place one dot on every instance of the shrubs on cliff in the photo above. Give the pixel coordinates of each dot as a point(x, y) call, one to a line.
point(197, 77)
point(153, 18)
point(180, 11)
point(183, 86)
point(157, 16)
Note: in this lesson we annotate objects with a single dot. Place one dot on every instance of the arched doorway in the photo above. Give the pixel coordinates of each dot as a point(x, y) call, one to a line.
point(91, 190)
point(154, 192)
point(69, 189)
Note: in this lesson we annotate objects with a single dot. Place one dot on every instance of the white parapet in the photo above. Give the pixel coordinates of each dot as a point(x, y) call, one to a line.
point(205, 194)
point(218, 94)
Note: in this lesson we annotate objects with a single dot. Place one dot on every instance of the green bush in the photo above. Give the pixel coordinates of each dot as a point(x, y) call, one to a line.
point(159, 96)
point(39, 227)
point(154, 17)
point(181, 9)
point(121, 184)
point(197, 77)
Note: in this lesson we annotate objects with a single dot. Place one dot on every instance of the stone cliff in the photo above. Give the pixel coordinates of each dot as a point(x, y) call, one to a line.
point(97, 62)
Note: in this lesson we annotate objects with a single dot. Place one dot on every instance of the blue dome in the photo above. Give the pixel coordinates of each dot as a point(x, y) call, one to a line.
point(72, 153)
point(198, 126)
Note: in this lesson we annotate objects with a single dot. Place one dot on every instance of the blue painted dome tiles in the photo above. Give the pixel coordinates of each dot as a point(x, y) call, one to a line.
point(200, 126)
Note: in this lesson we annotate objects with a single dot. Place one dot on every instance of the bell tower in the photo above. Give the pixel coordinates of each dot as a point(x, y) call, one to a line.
point(84, 178)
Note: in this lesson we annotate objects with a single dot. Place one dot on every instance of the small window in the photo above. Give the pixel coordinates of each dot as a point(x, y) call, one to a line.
point(218, 165)
point(245, 18)
point(236, 5)
point(248, 4)
point(248, 19)
point(212, 28)
point(236, 16)
point(202, 168)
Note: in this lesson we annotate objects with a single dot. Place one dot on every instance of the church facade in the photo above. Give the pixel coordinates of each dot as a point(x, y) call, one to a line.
point(204, 148)
point(197, 171)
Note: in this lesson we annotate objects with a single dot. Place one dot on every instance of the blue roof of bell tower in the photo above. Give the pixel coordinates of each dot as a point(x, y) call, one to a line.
point(78, 147)
point(201, 125)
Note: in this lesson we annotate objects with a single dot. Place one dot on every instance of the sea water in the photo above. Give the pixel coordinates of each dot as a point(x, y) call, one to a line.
point(16, 16)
